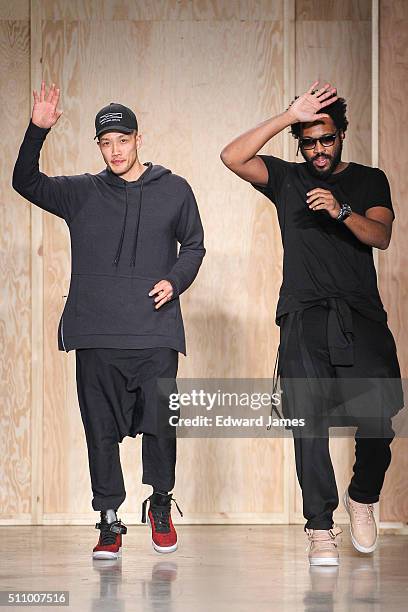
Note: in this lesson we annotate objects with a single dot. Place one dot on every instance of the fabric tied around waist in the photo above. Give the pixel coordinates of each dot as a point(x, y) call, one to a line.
point(340, 332)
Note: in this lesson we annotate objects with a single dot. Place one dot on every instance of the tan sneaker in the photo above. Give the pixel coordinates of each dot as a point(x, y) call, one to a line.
point(363, 528)
point(323, 546)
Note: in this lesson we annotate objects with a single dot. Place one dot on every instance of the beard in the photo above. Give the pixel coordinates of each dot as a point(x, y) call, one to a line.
point(333, 163)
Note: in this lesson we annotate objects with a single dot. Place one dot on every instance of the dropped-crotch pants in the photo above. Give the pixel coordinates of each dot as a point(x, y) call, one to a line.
point(119, 396)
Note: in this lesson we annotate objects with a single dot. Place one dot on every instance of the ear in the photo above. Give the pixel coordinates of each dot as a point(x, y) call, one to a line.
point(139, 141)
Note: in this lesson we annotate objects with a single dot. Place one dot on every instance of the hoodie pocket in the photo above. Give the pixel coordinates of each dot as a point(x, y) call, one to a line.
point(108, 304)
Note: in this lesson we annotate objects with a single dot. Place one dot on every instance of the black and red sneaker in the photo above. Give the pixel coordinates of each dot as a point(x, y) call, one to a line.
point(110, 538)
point(164, 536)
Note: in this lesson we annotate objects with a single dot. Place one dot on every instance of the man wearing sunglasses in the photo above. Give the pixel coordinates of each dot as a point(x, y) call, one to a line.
point(337, 363)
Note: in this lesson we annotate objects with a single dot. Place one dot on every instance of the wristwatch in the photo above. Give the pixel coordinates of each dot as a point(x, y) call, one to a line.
point(345, 212)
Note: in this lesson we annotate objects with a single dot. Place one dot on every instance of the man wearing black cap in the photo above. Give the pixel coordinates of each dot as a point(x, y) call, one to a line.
point(122, 315)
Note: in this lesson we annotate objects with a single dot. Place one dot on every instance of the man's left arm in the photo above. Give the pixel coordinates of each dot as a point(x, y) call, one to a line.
point(374, 228)
point(190, 235)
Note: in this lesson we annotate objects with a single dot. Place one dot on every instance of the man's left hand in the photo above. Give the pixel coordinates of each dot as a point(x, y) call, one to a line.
point(164, 292)
point(322, 199)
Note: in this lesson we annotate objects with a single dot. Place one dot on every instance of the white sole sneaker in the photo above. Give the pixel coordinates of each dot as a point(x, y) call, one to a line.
point(106, 554)
point(323, 561)
point(164, 549)
point(357, 546)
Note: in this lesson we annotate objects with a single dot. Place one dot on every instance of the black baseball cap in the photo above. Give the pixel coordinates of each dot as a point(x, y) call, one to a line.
point(115, 118)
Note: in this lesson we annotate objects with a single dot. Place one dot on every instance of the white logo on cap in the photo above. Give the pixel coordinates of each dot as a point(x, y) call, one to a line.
point(109, 117)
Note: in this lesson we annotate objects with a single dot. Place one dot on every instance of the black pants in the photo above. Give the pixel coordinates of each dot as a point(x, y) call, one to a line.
point(373, 347)
point(119, 396)
point(317, 480)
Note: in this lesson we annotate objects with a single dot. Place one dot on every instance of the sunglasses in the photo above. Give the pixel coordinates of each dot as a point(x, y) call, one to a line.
point(309, 143)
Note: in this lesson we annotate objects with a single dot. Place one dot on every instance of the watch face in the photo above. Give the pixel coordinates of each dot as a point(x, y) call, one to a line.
point(348, 211)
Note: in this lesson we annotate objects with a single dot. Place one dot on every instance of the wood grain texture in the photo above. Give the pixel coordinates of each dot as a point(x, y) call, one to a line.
point(251, 10)
point(333, 10)
point(15, 11)
point(120, 10)
point(393, 263)
point(37, 300)
point(15, 316)
point(168, 10)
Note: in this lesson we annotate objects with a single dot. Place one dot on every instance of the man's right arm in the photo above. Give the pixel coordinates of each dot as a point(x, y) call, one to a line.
point(52, 194)
point(240, 155)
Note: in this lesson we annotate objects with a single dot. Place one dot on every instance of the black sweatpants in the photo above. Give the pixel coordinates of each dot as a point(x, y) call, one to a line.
point(119, 396)
point(374, 352)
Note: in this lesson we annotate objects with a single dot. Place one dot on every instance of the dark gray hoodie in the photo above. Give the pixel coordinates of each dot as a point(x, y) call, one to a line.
point(124, 238)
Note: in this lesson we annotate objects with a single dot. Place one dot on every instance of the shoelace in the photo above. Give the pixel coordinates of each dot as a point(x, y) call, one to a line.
point(161, 514)
point(109, 531)
point(107, 536)
point(325, 539)
point(363, 513)
point(161, 518)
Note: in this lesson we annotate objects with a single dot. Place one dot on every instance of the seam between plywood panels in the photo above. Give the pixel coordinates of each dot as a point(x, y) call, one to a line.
point(375, 93)
point(289, 59)
point(375, 124)
point(37, 298)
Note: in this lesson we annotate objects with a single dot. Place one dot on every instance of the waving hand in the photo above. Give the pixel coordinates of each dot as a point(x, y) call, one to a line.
point(308, 106)
point(45, 113)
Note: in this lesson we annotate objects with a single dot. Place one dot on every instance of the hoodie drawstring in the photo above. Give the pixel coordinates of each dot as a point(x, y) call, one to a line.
point(119, 250)
point(133, 260)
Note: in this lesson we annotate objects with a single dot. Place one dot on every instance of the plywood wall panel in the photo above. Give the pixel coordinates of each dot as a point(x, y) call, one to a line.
point(251, 10)
point(235, 297)
point(120, 10)
point(333, 10)
point(174, 10)
point(15, 319)
point(19, 10)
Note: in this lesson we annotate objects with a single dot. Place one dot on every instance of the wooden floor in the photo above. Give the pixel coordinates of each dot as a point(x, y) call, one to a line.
point(217, 568)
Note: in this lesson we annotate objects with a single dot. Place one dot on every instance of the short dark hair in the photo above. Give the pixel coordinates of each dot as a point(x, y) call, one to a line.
point(336, 110)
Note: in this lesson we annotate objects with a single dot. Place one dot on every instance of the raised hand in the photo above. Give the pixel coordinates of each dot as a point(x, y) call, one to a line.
point(308, 106)
point(45, 113)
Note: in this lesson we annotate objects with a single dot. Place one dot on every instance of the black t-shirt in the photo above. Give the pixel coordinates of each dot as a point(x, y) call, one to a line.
point(322, 257)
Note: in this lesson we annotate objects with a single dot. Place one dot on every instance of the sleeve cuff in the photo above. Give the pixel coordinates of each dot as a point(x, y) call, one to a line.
point(36, 132)
point(174, 284)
